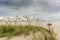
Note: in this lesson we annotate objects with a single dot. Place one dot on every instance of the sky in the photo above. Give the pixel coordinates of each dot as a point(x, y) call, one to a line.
point(48, 9)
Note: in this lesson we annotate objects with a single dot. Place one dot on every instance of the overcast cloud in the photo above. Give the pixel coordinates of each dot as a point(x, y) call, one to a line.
point(44, 8)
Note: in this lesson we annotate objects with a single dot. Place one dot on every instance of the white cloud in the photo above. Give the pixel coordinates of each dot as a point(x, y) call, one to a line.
point(55, 15)
point(34, 9)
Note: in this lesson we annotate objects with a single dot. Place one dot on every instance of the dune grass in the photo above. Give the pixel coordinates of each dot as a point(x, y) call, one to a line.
point(15, 30)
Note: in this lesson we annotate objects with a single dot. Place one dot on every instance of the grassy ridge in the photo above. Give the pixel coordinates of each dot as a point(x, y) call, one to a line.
point(9, 30)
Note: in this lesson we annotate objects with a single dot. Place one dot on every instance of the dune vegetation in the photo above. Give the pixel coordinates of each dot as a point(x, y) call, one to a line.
point(15, 30)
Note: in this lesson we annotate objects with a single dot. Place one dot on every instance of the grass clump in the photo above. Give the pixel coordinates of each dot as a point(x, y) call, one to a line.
point(9, 30)
point(6, 30)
